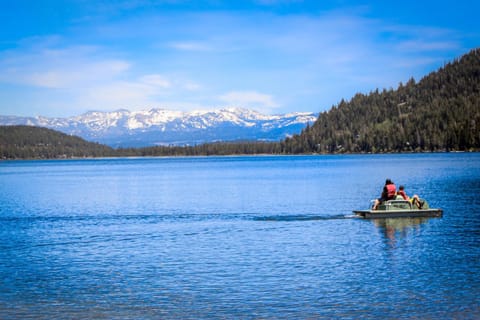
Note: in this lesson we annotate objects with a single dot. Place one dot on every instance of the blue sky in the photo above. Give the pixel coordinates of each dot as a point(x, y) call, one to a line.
point(63, 58)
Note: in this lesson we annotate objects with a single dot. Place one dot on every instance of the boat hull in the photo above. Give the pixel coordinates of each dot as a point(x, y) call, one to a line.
point(372, 214)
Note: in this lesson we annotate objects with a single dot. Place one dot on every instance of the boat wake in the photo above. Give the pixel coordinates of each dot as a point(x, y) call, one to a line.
point(302, 217)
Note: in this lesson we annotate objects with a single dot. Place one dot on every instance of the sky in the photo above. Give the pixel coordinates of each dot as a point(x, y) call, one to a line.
point(61, 58)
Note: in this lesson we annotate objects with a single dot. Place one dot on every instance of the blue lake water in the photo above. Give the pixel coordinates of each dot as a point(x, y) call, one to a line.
point(237, 237)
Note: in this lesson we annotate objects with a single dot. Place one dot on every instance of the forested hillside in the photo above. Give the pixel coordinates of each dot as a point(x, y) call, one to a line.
point(440, 112)
point(26, 142)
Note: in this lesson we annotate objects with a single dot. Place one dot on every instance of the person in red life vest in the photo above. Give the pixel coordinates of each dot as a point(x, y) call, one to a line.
point(414, 200)
point(389, 192)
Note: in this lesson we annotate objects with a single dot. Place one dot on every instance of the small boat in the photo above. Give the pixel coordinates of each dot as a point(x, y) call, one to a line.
point(400, 209)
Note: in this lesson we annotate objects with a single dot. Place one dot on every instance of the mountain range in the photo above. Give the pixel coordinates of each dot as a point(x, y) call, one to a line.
point(124, 128)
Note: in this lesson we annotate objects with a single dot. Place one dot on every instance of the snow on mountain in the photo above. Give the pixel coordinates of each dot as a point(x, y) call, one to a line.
point(123, 128)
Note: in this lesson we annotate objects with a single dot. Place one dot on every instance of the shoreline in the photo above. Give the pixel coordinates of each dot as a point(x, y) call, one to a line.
point(237, 155)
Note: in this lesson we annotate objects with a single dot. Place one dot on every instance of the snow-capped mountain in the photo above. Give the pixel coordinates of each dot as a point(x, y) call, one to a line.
point(123, 128)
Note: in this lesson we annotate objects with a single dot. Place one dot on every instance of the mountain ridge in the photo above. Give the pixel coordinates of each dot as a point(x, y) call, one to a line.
point(158, 126)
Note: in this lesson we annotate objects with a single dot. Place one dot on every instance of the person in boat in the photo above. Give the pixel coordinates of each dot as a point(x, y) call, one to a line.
point(389, 192)
point(401, 192)
point(413, 200)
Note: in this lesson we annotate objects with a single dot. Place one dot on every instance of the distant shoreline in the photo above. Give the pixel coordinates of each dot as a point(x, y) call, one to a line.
point(236, 155)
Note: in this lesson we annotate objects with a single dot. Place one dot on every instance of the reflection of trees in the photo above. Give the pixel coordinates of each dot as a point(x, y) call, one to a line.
point(392, 228)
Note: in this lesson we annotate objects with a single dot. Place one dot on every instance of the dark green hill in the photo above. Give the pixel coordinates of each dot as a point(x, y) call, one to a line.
point(26, 142)
point(440, 112)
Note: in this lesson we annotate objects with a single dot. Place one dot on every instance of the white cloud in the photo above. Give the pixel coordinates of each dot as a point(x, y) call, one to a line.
point(144, 91)
point(75, 66)
point(156, 80)
point(190, 46)
point(249, 99)
point(425, 45)
point(118, 94)
point(275, 2)
point(191, 86)
point(83, 73)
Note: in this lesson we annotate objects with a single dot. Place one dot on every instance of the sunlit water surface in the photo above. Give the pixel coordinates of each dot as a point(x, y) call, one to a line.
point(237, 237)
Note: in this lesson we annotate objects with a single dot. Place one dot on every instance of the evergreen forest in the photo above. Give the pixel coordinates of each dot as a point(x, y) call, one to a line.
point(439, 113)
point(27, 142)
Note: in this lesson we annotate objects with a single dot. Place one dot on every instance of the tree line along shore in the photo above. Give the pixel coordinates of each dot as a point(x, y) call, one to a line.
point(441, 112)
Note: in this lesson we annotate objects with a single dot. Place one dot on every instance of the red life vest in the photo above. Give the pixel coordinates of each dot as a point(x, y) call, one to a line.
point(391, 191)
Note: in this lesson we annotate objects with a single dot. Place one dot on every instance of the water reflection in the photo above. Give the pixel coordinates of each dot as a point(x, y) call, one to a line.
point(394, 229)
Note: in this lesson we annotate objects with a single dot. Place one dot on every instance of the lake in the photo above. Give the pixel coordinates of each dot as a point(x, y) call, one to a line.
point(237, 238)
